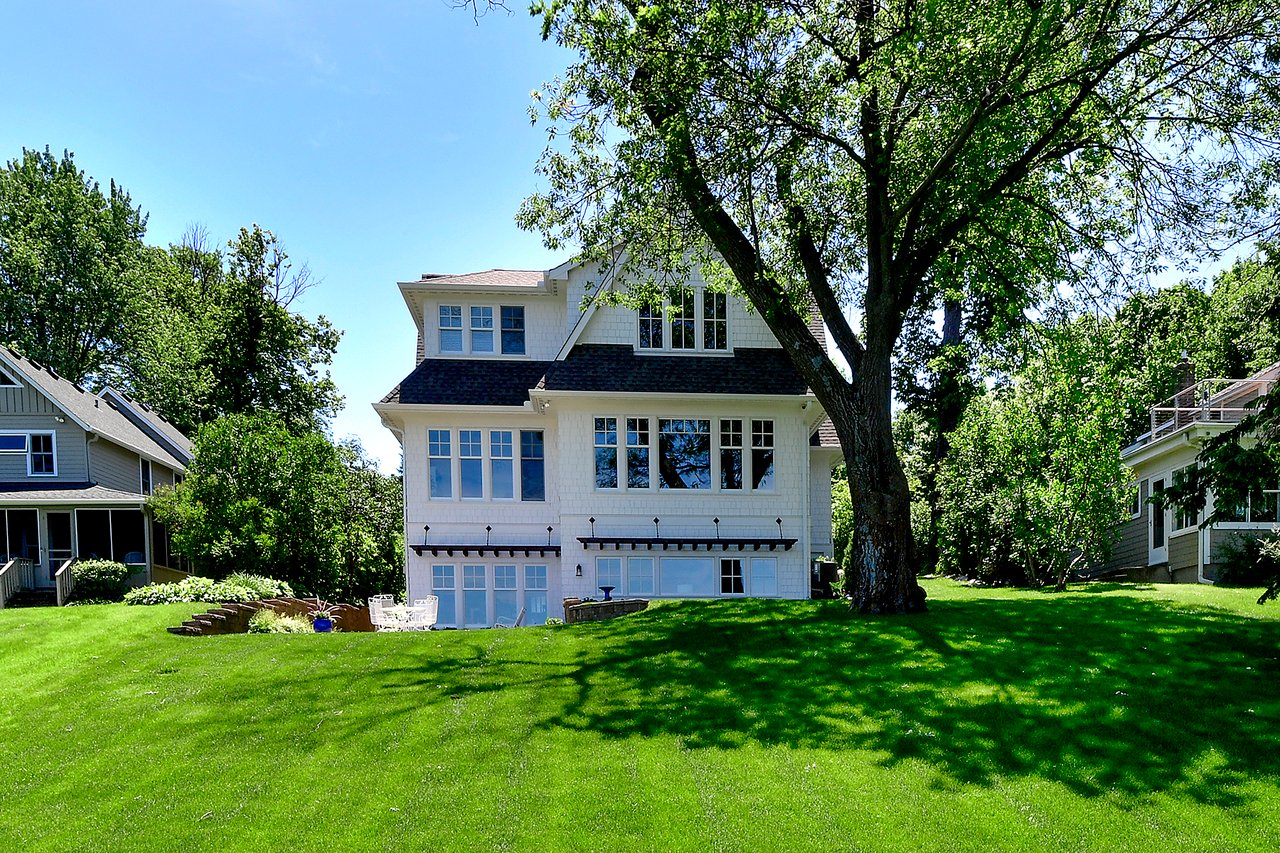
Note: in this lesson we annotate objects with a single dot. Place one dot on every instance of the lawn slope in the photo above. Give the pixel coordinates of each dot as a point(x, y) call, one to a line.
point(1112, 718)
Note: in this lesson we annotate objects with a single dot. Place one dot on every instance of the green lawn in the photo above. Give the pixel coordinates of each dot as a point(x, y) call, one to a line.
point(1113, 718)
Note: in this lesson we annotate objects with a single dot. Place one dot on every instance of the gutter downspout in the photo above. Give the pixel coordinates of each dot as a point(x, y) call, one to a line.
point(88, 456)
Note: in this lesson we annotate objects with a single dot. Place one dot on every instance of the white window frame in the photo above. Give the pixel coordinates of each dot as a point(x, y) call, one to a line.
point(53, 452)
point(741, 576)
point(600, 432)
point(146, 481)
point(513, 438)
point(479, 461)
point(746, 448)
point(1176, 528)
point(666, 318)
point(441, 328)
point(523, 330)
point(432, 456)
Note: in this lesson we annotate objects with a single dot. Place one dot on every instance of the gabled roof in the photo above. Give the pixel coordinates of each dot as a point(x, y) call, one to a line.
point(139, 430)
point(825, 435)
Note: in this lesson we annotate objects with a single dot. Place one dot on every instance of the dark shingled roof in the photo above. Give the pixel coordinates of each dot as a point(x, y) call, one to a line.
point(469, 382)
point(65, 493)
point(610, 367)
point(824, 435)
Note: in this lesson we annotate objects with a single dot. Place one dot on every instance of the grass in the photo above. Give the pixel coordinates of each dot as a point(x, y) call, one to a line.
point(1108, 718)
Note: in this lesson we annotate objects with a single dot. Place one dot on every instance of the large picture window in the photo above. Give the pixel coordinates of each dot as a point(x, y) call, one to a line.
point(693, 319)
point(684, 453)
point(532, 466)
point(606, 445)
point(638, 453)
point(440, 480)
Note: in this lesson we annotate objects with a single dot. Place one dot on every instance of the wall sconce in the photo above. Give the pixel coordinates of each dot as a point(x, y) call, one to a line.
point(579, 570)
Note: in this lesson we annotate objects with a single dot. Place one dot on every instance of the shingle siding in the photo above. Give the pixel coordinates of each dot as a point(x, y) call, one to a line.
point(114, 467)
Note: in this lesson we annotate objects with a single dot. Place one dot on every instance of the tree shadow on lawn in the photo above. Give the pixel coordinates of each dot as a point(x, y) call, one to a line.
point(1099, 694)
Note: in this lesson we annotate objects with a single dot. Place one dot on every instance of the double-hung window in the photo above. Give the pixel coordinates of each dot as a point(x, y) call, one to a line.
point(651, 321)
point(512, 329)
point(451, 328)
point(606, 445)
point(481, 329)
point(475, 605)
point(41, 460)
point(504, 593)
point(443, 587)
point(731, 454)
point(471, 465)
point(440, 481)
point(532, 466)
point(715, 324)
point(683, 321)
point(501, 466)
point(637, 453)
point(762, 455)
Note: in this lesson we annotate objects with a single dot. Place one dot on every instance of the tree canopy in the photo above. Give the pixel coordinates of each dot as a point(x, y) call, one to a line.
point(880, 158)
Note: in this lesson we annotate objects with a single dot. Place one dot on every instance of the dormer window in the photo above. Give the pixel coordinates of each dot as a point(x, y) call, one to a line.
point(513, 330)
point(481, 329)
point(694, 321)
point(451, 328)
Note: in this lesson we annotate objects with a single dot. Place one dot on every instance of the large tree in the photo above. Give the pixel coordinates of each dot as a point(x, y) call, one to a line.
point(68, 255)
point(876, 156)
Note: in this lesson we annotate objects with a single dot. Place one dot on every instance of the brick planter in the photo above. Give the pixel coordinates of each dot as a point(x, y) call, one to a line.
point(576, 610)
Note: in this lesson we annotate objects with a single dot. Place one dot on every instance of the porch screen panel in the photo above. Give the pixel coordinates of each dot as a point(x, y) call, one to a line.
point(24, 533)
point(93, 534)
point(128, 536)
point(688, 577)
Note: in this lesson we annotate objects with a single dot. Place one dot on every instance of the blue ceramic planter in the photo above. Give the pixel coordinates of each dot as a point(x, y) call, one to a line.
point(322, 625)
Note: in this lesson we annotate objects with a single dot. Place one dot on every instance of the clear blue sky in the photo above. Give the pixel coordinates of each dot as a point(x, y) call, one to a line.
point(379, 140)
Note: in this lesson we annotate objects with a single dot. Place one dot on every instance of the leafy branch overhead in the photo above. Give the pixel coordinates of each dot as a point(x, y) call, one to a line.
point(878, 160)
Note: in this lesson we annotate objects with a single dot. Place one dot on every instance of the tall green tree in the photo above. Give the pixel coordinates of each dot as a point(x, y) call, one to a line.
point(261, 497)
point(864, 155)
point(68, 253)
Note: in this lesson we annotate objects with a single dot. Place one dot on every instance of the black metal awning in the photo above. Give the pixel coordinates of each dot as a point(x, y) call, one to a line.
point(680, 543)
point(489, 550)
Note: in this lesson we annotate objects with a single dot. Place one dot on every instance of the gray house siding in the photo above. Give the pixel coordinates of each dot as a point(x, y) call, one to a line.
point(114, 467)
point(1184, 555)
point(22, 400)
point(69, 448)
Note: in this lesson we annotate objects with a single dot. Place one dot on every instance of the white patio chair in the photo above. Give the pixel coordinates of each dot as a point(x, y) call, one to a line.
point(423, 613)
point(377, 612)
point(504, 622)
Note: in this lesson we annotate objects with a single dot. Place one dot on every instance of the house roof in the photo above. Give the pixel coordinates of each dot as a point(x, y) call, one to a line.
point(825, 435)
point(619, 368)
point(65, 493)
point(486, 278)
point(596, 367)
point(105, 414)
point(469, 382)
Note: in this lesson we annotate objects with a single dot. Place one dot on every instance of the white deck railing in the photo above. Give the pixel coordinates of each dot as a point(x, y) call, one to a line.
point(65, 581)
point(17, 574)
point(1225, 401)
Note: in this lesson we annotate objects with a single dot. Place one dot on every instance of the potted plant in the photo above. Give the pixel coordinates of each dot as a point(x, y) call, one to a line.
point(322, 618)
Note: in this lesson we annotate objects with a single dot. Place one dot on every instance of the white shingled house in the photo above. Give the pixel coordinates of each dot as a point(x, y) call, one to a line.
point(550, 451)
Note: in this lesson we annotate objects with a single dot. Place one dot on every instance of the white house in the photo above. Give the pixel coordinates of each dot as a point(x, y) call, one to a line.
point(1168, 544)
point(551, 449)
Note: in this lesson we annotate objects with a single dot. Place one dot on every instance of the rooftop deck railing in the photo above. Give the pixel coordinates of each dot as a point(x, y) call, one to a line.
point(1209, 401)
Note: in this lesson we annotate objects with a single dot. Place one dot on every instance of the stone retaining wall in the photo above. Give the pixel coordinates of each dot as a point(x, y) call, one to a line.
point(576, 610)
point(233, 618)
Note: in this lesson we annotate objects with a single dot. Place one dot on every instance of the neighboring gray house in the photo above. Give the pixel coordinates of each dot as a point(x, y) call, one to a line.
point(75, 472)
point(1169, 545)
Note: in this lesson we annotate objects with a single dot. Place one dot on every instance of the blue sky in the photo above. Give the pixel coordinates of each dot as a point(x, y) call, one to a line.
point(379, 141)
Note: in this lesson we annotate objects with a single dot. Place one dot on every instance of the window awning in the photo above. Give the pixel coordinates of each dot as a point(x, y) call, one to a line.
point(680, 543)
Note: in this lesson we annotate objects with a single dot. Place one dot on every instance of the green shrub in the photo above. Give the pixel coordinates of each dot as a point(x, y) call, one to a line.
point(1244, 562)
point(99, 580)
point(269, 622)
point(237, 588)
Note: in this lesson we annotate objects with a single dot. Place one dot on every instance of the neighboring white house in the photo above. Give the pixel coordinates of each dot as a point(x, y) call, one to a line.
point(1168, 544)
point(551, 450)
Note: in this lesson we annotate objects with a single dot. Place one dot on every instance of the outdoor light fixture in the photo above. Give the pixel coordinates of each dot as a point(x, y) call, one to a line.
point(579, 571)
